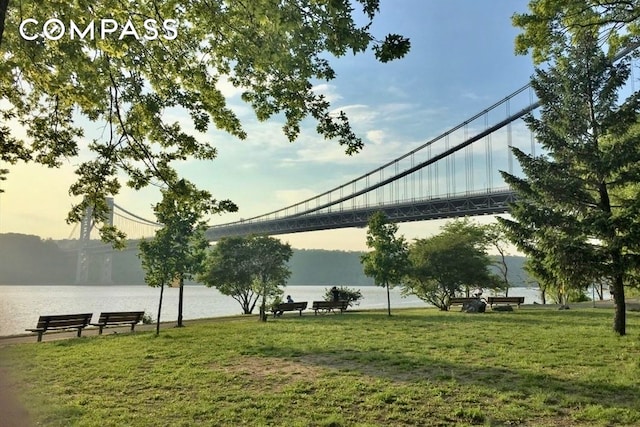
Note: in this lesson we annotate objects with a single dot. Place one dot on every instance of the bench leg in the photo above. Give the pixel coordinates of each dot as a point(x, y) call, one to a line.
point(133, 325)
point(40, 336)
point(79, 332)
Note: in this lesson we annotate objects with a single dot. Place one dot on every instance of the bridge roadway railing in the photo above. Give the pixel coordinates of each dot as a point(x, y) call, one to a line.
point(462, 204)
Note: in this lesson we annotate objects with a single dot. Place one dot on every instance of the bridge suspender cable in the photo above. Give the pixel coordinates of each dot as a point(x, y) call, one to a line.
point(139, 218)
point(425, 163)
point(440, 156)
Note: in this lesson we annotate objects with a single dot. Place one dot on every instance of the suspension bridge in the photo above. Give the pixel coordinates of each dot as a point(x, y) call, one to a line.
point(454, 174)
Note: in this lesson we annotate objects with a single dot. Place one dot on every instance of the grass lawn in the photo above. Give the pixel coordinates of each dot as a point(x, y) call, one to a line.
point(420, 367)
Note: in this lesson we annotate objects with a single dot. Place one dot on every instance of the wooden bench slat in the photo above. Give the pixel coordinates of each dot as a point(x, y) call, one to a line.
point(506, 300)
point(118, 318)
point(290, 306)
point(329, 306)
point(61, 321)
point(461, 300)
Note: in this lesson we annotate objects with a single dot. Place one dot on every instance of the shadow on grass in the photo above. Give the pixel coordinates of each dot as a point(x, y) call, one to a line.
point(401, 368)
point(549, 317)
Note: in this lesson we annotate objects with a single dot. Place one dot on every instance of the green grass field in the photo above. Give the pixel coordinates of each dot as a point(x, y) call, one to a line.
point(420, 367)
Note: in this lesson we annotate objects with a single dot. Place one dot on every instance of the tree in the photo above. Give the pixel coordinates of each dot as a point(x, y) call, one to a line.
point(270, 266)
point(552, 25)
point(575, 211)
point(388, 261)
point(247, 268)
point(158, 273)
point(178, 249)
point(497, 238)
point(228, 269)
point(449, 263)
point(124, 65)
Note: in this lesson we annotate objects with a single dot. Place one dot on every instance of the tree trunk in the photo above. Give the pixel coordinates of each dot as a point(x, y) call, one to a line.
point(263, 306)
point(543, 292)
point(253, 305)
point(388, 300)
point(620, 310)
point(159, 309)
point(180, 299)
point(4, 5)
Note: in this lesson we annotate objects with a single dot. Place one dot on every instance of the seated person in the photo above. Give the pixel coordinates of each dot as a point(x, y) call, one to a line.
point(289, 300)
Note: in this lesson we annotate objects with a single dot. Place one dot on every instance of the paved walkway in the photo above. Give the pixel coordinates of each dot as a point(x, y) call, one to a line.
point(87, 332)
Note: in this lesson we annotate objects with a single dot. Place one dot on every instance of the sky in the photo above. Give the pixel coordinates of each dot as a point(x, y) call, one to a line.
point(461, 61)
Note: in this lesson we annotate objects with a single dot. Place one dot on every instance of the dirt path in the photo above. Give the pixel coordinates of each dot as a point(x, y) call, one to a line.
point(12, 413)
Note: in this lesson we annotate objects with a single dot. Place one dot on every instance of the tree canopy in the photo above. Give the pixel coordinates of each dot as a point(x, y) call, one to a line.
point(552, 25)
point(388, 260)
point(449, 263)
point(247, 268)
point(123, 66)
point(177, 251)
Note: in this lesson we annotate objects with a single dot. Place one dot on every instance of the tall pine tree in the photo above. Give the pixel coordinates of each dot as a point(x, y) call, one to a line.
point(578, 209)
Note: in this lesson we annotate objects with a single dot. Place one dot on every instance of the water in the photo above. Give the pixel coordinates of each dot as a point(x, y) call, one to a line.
point(20, 306)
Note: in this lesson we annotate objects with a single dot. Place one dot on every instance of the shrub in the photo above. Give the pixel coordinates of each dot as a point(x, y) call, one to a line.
point(351, 295)
point(147, 319)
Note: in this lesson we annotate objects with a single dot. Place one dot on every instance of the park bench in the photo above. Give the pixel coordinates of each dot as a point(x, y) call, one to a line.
point(505, 300)
point(289, 306)
point(61, 321)
point(118, 318)
point(329, 306)
point(459, 301)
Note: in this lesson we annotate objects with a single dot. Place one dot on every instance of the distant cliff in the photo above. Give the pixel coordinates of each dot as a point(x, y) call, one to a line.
point(323, 267)
point(30, 260)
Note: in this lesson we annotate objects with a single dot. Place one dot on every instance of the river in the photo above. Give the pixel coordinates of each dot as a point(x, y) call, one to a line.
point(20, 306)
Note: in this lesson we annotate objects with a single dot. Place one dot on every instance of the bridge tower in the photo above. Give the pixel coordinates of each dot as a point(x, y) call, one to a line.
point(106, 259)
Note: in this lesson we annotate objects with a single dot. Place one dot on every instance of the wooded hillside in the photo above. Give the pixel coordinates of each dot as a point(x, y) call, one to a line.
point(30, 260)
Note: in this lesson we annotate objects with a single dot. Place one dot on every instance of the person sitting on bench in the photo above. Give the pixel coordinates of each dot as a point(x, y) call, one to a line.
point(289, 301)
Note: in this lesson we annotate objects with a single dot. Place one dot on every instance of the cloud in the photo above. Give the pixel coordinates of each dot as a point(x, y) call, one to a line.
point(329, 92)
point(227, 88)
point(289, 197)
point(376, 136)
point(359, 114)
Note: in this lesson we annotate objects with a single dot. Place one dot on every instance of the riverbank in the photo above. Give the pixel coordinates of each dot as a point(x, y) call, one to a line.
point(633, 305)
point(24, 304)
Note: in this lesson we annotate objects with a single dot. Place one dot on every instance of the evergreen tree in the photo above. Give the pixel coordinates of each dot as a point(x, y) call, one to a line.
point(577, 211)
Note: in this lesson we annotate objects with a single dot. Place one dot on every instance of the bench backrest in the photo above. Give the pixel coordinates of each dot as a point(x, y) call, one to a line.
point(518, 300)
point(290, 306)
point(120, 316)
point(330, 304)
point(60, 321)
